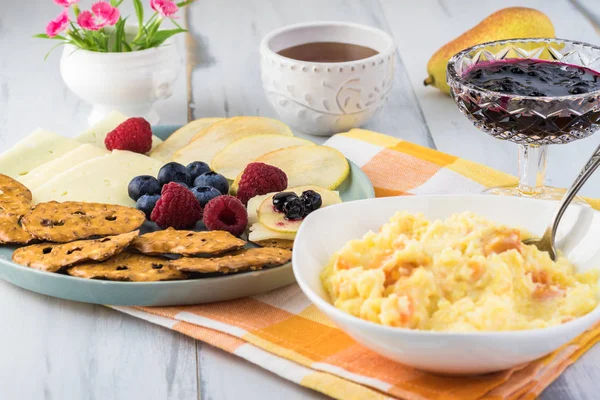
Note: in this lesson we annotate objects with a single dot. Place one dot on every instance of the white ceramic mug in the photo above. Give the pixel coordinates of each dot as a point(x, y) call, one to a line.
point(326, 98)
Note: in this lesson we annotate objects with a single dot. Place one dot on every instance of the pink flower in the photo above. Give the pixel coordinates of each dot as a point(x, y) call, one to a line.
point(166, 8)
point(102, 14)
point(58, 24)
point(66, 3)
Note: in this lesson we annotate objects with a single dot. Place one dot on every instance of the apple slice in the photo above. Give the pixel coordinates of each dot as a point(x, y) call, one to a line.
point(259, 232)
point(253, 205)
point(210, 141)
point(307, 165)
point(231, 161)
point(276, 221)
point(180, 138)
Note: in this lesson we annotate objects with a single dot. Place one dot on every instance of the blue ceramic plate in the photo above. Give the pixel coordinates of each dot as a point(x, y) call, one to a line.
point(357, 186)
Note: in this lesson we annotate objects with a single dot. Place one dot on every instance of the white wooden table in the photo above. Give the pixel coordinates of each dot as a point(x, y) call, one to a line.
point(54, 349)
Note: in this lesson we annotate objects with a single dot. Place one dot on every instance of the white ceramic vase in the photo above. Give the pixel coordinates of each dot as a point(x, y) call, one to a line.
point(126, 82)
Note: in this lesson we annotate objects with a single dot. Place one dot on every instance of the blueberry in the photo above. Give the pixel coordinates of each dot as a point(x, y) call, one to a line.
point(577, 90)
point(294, 209)
point(174, 172)
point(141, 185)
point(197, 168)
point(146, 203)
point(312, 200)
point(280, 199)
point(213, 179)
point(205, 193)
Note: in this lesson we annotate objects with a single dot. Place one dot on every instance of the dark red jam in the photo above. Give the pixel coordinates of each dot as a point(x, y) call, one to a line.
point(533, 78)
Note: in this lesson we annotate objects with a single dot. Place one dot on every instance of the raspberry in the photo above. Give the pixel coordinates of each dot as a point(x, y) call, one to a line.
point(177, 208)
point(259, 178)
point(226, 213)
point(134, 134)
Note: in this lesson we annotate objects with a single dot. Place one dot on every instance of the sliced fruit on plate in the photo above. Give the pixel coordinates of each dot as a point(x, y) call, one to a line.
point(181, 137)
point(253, 205)
point(276, 220)
point(231, 161)
point(307, 165)
point(259, 232)
point(206, 144)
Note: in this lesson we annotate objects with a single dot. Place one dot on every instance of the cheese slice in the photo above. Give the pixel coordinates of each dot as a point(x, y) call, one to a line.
point(103, 179)
point(97, 133)
point(45, 172)
point(260, 232)
point(34, 150)
point(180, 138)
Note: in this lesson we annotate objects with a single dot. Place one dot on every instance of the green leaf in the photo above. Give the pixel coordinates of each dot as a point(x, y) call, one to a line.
point(139, 12)
point(127, 46)
point(159, 37)
point(53, 47)
point(44, 36)
point(177, 25)
point(184, 3)
point(118, 38)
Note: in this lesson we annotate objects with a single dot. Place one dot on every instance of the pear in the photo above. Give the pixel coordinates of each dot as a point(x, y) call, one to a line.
point(508, 23)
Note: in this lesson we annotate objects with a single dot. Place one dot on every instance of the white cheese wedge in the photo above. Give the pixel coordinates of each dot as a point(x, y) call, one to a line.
point(45, 172)
point(34, 150)
point(97, 133)
point(260, 232)
point(103, 179)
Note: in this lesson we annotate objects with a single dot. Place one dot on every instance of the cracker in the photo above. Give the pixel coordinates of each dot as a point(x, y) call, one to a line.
point(53, 257)
point(276, 243)
point(15, 199)
point(11, 231)
point(187, 243)
point(71, 220)
point(240, 260)
point(129, 267)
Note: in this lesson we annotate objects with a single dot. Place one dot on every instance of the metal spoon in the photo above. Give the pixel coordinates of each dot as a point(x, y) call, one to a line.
point(546, 242)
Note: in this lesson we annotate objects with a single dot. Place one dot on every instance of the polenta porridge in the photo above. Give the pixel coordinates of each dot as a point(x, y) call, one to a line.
point(464, 273)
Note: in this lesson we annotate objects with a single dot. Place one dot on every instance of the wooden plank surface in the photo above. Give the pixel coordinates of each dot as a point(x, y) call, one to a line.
point(54, 349)
point(226, 80)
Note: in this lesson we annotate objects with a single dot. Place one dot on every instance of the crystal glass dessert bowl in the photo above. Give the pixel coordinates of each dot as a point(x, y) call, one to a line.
point(533, 92)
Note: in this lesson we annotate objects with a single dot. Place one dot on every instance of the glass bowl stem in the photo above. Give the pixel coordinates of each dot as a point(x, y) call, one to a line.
point(532, 168)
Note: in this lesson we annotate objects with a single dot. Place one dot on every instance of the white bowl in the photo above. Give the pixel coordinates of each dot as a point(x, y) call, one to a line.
point(327, 230)
point(327, 98)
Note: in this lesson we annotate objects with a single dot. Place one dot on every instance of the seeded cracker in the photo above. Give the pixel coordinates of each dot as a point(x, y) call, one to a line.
point(53, 257)
point(187, 243)
point(68, 221)
point(11, 231)
point(15, 200)
point(129, 267)
point(276, 243)
point(240, 260)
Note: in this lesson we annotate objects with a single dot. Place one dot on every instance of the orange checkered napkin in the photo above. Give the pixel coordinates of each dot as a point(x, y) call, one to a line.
point(284, 333)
